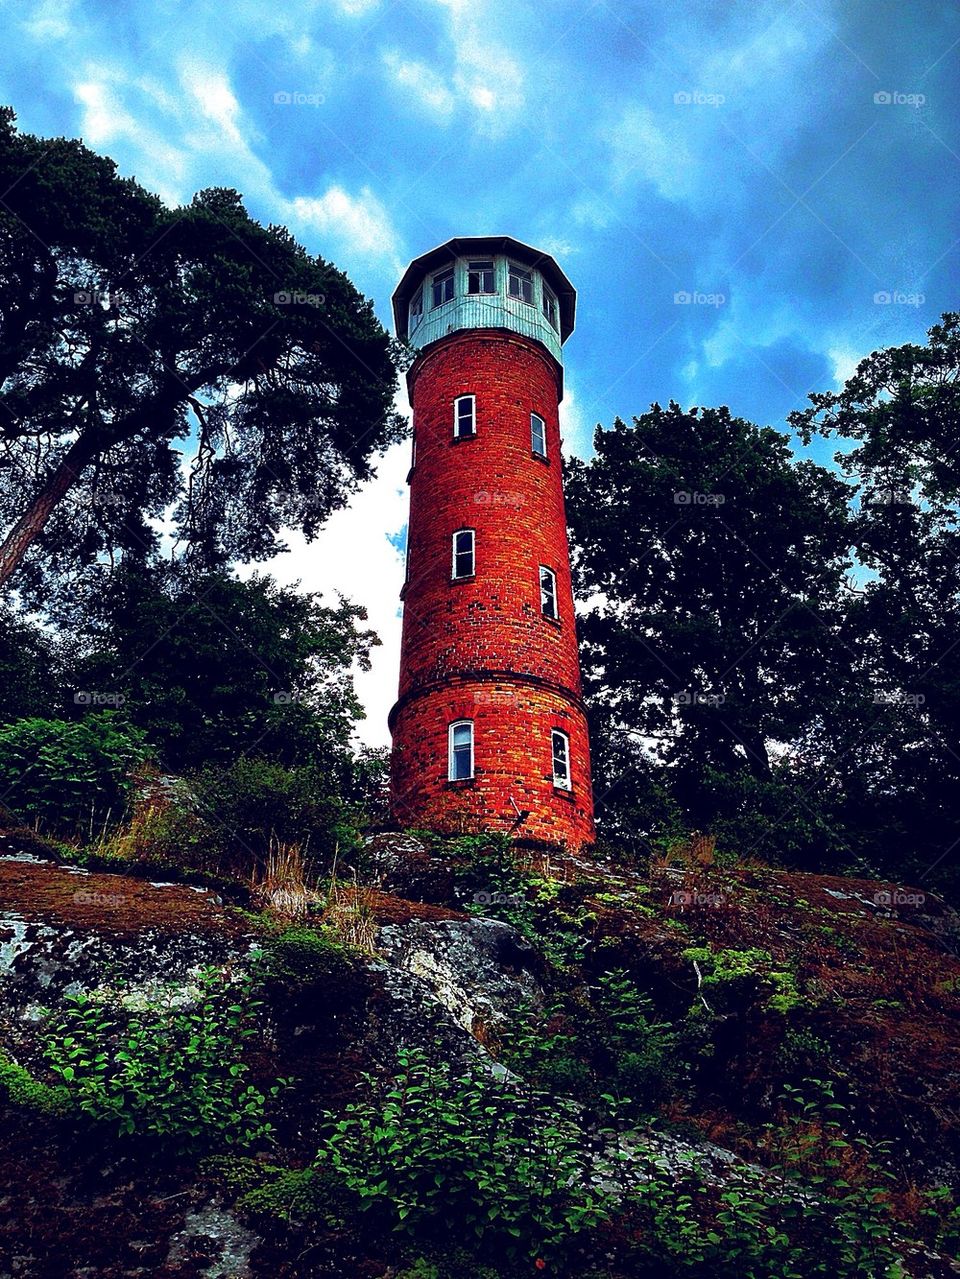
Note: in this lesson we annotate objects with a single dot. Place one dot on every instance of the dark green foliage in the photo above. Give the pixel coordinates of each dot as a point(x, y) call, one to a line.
point(443, 1151)
point(544, 1049)
point(643, 1050)
point(749, 1229)
point(169, 1068)
point(741, 681)
point(69, 777)
point(888, 760)
point(129, 327)
point(725, 560)
point(246, 803)
point(27, 681)
point(213, 668)
point(294, 1195)
point(729, 602)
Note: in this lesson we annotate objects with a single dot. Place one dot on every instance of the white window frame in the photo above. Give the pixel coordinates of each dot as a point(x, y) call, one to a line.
point(550, 595)
point(537, 417)
point(550, 307)
point(416, 308)
point(476, 266)
point(561, 780)
point(454, 575)
point(465, 435)
point(442, 276)
point(525, 275)
point(451, 758)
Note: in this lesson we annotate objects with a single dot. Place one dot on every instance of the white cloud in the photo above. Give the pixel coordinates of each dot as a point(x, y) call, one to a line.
point(359, 222)
point(484, 77)
point(209, 122)
point(353, 556)
point(642, 147)
point(210, 90)
point(844, 362)
point(557, 246)
point(103, 118)
point(576, 432)
point(422, 83)
point(50, 21)
point(489, 77)
point(356, 8)
point(104, 122)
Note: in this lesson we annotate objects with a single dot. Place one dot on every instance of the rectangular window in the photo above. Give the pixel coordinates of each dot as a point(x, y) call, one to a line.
point(548, 592)
point(464, 416)
point(520, 283)
point(481, 278)
point(460, 753)
point(550, 306)
point(416, 308)
point(538, 435)
point(561, 759)
point(463, 553)
point(443, 286)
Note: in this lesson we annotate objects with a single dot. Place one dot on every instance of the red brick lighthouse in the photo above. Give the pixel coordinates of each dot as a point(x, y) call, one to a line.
point(489, 727)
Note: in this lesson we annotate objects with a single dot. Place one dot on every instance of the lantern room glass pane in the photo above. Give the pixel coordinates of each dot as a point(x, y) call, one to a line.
point(550, 307)
point(443, 286)
point(520, 283)
point(481, 277)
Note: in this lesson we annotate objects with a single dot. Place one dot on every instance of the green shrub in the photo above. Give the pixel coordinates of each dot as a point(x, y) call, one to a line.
point(642, 1048)
point(172, 1070)
point(440, 1150)
point(71, 777)
point(252, 800)
point(752, 1228)
point(546, 1053)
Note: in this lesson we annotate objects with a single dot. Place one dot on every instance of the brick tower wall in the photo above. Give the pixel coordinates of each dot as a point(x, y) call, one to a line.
point(480, 649)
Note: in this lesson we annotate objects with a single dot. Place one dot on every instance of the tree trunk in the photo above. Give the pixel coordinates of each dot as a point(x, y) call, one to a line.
point(30, 524)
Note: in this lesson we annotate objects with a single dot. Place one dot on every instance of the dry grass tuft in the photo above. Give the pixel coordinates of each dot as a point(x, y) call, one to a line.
point(283, 888)
point(350, 914)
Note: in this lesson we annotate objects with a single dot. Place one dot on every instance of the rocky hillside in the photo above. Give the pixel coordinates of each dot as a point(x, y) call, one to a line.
point(472, 1061)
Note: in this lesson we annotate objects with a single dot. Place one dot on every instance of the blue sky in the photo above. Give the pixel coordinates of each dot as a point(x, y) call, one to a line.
point(783, 163)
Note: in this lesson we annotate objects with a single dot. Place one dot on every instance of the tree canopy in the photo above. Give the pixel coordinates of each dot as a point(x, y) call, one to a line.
point(155, 359)
point(770, 646)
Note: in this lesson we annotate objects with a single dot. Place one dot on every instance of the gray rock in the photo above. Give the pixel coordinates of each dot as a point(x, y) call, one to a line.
point(479, 970)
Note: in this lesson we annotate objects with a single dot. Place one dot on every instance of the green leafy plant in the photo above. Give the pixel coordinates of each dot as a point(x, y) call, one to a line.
point(752, 1225)
point(539, 1045)
point(441, 1149)
point(172, 1069)
point(70, 777)
point(643, 1048)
